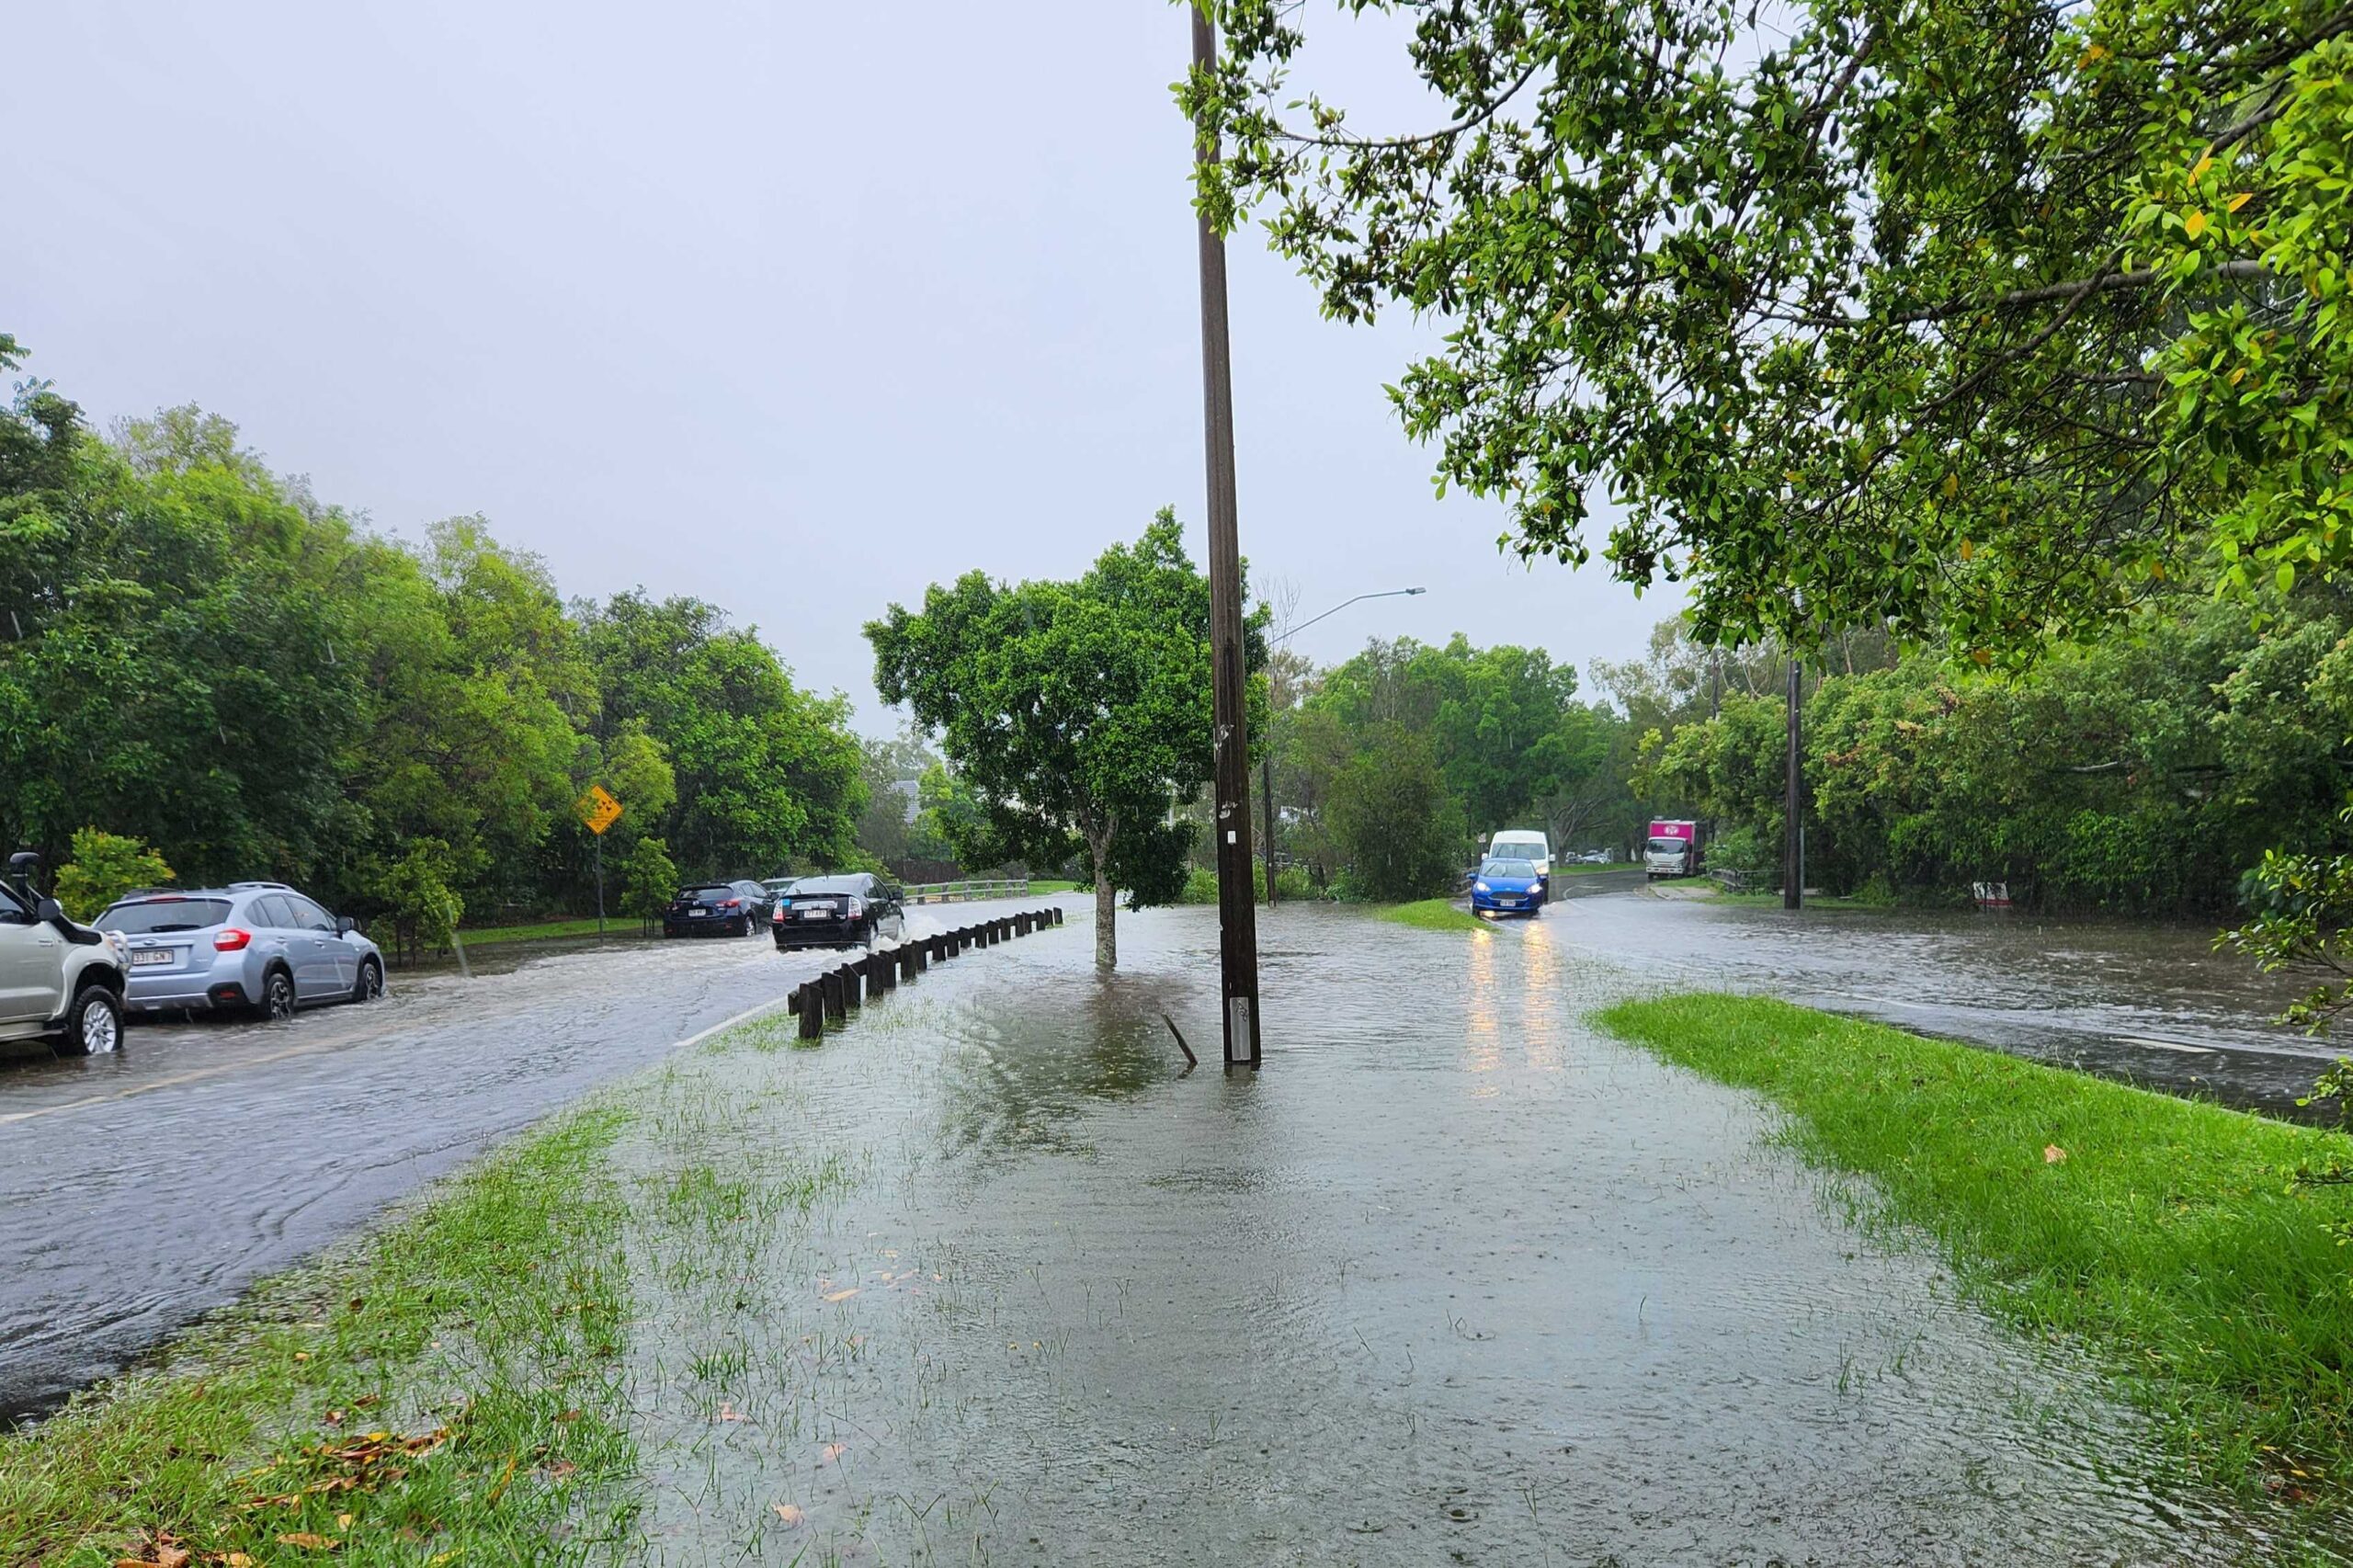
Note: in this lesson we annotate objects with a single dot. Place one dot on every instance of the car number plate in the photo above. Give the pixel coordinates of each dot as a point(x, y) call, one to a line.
point(1508, 898)
point(816, 915)
point(697, 914)
point(151, 955)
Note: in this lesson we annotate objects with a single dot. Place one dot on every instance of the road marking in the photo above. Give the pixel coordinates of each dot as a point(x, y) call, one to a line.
point(311, 1048)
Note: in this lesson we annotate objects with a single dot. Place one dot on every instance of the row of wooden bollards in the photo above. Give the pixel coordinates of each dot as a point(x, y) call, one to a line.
point(828, 998)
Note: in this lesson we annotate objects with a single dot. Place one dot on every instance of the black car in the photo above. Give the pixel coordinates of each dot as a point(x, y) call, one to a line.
point(734, 909)
point(847, 911)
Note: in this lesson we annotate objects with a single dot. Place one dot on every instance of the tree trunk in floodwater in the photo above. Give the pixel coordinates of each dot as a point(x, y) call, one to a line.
point(1106, 912)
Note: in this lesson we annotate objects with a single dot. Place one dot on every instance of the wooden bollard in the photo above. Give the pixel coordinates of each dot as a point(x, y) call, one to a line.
point(853, 985)
point(918, 956)
point(884, 967)
point(829, 992)
point(1021, 923)
point(811, 1005)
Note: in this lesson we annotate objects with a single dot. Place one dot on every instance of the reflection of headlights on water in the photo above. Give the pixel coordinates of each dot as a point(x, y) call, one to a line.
point(1479, 887)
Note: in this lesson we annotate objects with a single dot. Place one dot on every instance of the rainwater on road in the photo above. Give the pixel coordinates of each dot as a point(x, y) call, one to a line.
point(2152, 1004)
point(1454, 1278)
point(140, 1189)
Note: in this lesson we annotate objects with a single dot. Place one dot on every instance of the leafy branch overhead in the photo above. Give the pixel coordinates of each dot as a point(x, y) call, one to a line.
point(1981, 320)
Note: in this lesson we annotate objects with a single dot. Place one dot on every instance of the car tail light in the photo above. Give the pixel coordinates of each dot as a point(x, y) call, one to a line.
point(855, 909)
point(230, 939)
point(731, 904)
point(777, 914)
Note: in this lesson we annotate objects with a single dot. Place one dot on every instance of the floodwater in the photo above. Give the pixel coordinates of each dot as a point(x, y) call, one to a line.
point(140, 1189)
point(1454, 1278)
point(2154, 1003)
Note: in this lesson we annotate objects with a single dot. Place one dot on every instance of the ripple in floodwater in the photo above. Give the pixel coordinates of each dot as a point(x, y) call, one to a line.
point(1454, 1278)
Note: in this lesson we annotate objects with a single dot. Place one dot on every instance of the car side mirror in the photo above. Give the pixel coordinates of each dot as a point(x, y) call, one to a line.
point(345, 926)
point(50, 912)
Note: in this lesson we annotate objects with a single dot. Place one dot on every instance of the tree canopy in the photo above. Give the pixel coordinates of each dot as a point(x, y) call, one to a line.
point(1074, 714)
point(1981, 321)
point(197, 654)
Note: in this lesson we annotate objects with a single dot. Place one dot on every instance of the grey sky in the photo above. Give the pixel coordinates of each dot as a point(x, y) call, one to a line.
point(794, 307)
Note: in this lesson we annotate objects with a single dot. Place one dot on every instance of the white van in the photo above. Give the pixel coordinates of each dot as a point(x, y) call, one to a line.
point(1522, 843)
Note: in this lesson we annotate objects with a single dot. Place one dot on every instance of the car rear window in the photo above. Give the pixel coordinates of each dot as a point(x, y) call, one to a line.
point(704, 890)
point(157, 915)
point(828, 884)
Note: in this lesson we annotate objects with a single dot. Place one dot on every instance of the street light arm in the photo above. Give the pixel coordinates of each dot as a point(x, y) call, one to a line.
point(1384, 594)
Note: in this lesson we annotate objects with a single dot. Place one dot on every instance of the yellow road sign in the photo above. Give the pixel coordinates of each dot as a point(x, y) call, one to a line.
point(597, 809)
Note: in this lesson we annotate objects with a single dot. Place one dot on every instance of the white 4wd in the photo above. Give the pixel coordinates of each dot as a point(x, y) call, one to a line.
point(58, 979)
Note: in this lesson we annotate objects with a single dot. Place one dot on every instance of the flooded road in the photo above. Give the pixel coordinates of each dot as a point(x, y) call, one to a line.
point(140, 1189)
point(2155, 1005)
point(990, 1279)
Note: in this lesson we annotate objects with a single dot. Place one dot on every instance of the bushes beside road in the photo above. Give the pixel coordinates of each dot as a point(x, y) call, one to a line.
point(2168, 1237)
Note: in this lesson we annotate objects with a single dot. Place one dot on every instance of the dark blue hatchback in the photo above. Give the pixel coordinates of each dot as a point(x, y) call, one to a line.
point(1508, 887)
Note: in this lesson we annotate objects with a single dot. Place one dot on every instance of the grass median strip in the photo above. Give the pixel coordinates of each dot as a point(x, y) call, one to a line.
point(2167, 1237)
point(1432, 914)
point(445, 1392)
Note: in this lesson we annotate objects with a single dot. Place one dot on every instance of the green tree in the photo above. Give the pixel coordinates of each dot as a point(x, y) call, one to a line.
point(1981, 321)
point(767, 775)
point(1393, 818)
point(647, 879)
point(105, 867)
point(1074, 713)
point(419, 893)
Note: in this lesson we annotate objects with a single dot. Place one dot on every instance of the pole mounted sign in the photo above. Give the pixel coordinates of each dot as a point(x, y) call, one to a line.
point(597, 809)
point(600, 811)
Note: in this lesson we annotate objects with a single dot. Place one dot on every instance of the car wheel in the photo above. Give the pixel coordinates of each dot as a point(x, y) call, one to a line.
point(277, 996)
point(93, 1025)
point(371, 981)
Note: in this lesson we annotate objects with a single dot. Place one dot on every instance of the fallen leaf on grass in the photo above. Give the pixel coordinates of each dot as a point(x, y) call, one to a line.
point(727, 1412)
point(791, 1515)
point(2053, 1155)
point(841, 1295)
point(833, 1452)
point(308, 1542)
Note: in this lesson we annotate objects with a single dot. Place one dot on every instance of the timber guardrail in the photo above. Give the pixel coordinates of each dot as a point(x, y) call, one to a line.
point(829, 998)
point(966, 892)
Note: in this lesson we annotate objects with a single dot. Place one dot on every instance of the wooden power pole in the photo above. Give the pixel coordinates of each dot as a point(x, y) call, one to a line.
point(1237, 909)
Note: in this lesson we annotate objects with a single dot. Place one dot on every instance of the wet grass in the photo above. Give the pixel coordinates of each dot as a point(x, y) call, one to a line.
point(2167, 1237)
point(553, 930)
point(443, 1393)
point(1432, 914)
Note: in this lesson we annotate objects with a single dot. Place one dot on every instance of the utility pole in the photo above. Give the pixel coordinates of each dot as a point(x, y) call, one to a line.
point(1266, 761)
point(1237, 909)
point(1792, 824)
point(1266, 787)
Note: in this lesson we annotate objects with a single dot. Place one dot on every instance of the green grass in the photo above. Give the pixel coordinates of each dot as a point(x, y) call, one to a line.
point(550, 930)
point(2170, 1240)
point(444, 1394)
point(1432, 914)
point(1771, 898)
point(1037, 885)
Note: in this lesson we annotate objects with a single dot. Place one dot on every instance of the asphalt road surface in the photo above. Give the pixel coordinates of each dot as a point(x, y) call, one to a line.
point(141, 1189)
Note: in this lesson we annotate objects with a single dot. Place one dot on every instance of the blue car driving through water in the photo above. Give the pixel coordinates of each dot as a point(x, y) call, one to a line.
point(1508, 887)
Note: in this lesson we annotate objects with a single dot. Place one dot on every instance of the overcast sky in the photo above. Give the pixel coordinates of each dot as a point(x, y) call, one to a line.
point(796, 307)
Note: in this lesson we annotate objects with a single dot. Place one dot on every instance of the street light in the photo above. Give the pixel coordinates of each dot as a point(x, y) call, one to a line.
point(1266, 761)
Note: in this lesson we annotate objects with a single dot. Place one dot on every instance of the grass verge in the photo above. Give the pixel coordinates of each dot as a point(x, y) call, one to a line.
point(2164, 1236)
point(550, 930)
point(445, 1393)
point(1432, 914)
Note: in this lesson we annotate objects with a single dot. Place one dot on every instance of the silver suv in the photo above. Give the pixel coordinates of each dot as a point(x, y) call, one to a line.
point(56, 978)
point(252, 946)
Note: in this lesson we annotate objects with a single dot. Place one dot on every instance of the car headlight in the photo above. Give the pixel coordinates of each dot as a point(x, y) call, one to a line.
point(1480, 887)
